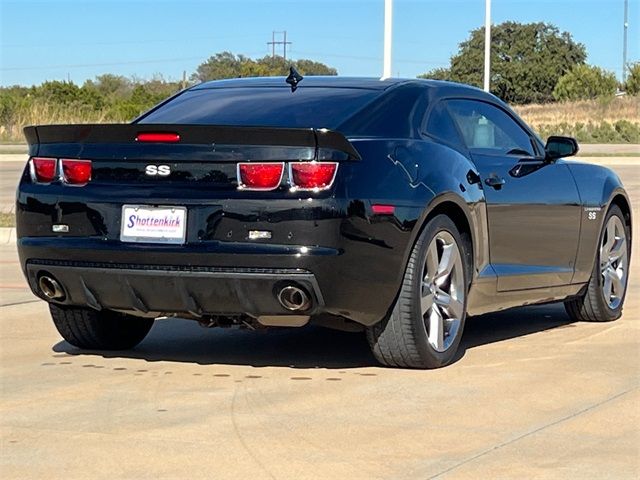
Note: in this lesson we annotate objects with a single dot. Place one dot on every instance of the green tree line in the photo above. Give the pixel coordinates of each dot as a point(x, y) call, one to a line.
point(533, 63)
point(530, 63)
point(114, 98)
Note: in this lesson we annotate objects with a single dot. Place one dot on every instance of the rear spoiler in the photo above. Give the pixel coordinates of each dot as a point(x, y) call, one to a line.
point(126, 134)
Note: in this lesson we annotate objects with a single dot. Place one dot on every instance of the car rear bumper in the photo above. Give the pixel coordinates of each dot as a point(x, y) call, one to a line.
point(155, 290)
point(210, 278)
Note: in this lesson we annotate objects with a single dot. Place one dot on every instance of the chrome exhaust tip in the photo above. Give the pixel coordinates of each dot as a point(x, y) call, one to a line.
point(294, 298)
point(50, 287)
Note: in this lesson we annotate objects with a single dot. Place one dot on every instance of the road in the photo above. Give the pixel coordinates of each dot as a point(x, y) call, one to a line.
point(531, 395)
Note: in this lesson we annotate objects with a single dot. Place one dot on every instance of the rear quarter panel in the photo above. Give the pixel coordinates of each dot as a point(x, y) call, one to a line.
point(416, 176)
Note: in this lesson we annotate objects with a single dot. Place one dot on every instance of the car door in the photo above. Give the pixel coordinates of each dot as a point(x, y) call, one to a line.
point(533, 206)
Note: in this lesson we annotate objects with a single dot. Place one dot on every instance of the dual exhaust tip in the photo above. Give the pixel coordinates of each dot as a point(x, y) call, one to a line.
point(50, 287)
point(291, 297)
point(294, 298)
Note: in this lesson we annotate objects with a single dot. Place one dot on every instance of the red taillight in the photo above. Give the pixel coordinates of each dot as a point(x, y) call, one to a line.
point(44, 169)
point(160, 137)
point(260, 176)
point(76, 172)
point(312, 175)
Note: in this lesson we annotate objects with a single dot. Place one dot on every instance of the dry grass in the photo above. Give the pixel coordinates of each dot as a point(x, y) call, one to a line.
point(605, 120)
point(608, 110)
point(7, 220)
point(45, 114)
point(567, 118)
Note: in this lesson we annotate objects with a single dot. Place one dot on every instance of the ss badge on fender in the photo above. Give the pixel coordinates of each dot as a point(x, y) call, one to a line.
point(160, 170)
point(592, 212)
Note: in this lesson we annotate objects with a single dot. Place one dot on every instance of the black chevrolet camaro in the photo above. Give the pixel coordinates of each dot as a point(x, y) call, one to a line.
point(395, 207)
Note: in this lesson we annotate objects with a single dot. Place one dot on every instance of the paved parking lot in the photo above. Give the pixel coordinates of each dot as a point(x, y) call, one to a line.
point(530, 396)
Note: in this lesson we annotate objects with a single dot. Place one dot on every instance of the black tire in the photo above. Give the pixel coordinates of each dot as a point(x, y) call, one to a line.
point(105, 330)
point(401, 340)
point(591, 305)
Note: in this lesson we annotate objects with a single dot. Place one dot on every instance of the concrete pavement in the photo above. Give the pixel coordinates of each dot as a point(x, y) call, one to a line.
point(531, 395)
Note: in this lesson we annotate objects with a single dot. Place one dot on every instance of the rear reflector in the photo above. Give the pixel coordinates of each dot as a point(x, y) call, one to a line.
point(76, 172)
point(160, 137)
point(260, 176)
point(383, 209)
point(312, 175)
point(44, 169)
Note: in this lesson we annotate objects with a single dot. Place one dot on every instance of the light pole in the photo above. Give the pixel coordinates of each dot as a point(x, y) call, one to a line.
point(388, 22)
point(487, 45)
point(624, 42)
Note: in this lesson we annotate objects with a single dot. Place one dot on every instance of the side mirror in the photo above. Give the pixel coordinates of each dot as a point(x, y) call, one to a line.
point(558, 147)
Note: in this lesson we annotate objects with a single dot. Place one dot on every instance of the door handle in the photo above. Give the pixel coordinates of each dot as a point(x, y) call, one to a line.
point(495, 181)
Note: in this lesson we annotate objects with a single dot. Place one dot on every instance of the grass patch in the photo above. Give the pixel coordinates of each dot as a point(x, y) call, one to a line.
point(606, 109)
point(14, 151)
point(622, 131)
point(7, 220)
point(607, 155)
point(605, 120)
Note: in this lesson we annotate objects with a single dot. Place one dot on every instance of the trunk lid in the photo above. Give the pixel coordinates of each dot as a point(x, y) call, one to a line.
point(204, 155)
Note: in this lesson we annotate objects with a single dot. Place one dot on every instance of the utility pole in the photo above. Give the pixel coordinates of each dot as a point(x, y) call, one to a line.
point(487, 45)
point(282, 42)
point(624, 42)
point(273, 44)
point(284, 47)
point(388, 25)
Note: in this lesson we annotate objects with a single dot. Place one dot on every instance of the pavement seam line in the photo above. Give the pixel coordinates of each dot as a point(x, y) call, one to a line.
point(20, 303)
point(534, 431)
point(240, 437)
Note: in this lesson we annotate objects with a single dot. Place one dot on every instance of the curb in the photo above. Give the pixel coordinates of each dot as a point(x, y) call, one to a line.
point(7, 236)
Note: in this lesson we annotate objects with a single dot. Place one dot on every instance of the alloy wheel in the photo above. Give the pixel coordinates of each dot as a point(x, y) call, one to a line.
point(614, 262)
point(442, 291)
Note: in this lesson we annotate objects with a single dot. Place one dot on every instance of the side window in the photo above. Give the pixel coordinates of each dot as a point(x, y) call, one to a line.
point(489, 130)
point(440, 125)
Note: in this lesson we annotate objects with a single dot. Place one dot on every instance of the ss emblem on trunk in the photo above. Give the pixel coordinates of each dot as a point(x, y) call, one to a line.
point(160, 170)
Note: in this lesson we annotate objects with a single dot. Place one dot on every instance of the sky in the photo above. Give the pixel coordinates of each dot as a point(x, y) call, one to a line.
point(77, 40)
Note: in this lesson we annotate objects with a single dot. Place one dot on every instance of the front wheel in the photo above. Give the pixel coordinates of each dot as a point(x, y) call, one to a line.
point(426, 323)
point(603, 299)
point(105, 330)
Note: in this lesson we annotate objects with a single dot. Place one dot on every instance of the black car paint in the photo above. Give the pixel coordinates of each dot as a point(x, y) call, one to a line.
point(523, 235)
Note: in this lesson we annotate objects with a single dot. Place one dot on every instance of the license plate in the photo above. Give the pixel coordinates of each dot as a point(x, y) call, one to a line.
point(153, 224)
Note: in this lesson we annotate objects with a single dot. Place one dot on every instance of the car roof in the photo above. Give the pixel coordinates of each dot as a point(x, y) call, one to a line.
point(309, 81)
point(368, 83)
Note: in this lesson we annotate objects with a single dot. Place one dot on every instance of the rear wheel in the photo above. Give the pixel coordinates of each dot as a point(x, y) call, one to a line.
point(603, 299)
point(426, 324)
point(104, 330)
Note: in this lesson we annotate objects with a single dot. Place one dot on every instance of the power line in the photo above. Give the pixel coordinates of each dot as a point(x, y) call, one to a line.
point(374, 59)
point(135, 42)
point(110, 64)
point(282, 42)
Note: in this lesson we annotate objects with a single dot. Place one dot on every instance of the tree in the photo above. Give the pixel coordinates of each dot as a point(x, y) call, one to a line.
point(585, 82)
point(527, 61)
point(311, 68)
point(437, 74)
point(109, 85)
point(228, 65)
point(68, 94)
point(632, 86)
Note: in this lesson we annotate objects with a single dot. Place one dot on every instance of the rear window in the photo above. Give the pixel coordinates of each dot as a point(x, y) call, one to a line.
point(312, 107)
